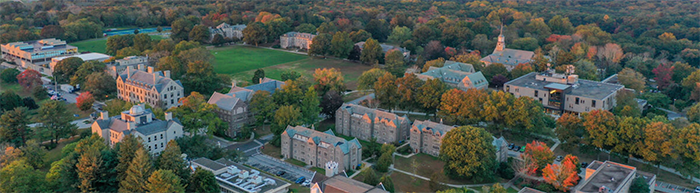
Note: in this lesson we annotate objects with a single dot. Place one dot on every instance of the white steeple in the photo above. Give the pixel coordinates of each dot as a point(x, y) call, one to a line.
point(501, 45)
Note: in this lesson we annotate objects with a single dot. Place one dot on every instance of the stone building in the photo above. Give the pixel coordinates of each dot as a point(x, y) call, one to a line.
point(118, 66)
point(562, 93)
point(36, 54)
point(426, 137)
point(141, 123)
point(456, 74)
point(296, 40)
point(228, 31)
point(233, 107)
point(317, 148)
point(510, 58)
point(147, 86)
point(366, 123)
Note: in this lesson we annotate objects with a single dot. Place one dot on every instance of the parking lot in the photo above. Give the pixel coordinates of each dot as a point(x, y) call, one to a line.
point(272, 165)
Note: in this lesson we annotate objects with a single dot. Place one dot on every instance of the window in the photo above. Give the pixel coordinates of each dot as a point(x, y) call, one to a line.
point(161, 136)
point(149, 139)
point(577, 100)
point(593, 104)
point(507, 88)
point(161, 144)
point(537, 93)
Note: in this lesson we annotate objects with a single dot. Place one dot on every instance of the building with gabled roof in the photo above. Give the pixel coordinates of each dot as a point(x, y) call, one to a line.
point(141, 123)
point(147, 86)
point(118, 66)
point(510, 58)
point(233, 106)
point(317, 148)
point(426, 137)
point(367, 123)
point(228, 31)
point(340, 183)
point(456, 74)
point(296, 40)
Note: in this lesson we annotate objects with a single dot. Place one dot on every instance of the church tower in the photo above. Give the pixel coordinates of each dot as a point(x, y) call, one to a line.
point(501, 42)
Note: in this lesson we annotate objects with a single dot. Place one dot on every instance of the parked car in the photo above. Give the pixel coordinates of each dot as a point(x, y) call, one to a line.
point(522, 150)
point(584, 165)
point(511, 146)
point(516, 148)
point(559, 158)
point(300, 180)
point(306, 183)
point(697, 189)
point(279, 173)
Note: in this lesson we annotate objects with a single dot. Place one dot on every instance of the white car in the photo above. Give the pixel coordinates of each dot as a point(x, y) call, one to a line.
point(697, 189)
point(306, 183)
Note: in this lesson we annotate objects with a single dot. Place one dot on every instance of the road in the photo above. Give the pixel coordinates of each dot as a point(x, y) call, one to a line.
point(80, 123)
point(671, 114)
point(269, 164)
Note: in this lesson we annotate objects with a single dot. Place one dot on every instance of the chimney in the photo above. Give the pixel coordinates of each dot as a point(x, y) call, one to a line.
point(166, 73)
point(156, 76)
point(233, 84)
point(128, 72)
point(104, 115)
point(260, 81)
point(130, 125)
point(168, 116)
point(150, 70)
point(141, 67)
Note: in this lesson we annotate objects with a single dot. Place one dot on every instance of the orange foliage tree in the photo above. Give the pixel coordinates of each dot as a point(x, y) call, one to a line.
point(84, 101)
point(539, 153)
point(563, 176)
point(29, 78)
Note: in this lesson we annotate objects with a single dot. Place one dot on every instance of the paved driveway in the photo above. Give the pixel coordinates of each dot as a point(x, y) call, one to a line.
point(272, 165)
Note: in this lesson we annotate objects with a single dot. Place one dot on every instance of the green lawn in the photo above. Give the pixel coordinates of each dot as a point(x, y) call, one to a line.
point(318, 170)
point(11, 87)
point(295, 162)
point(99, 45)
point(231, 60)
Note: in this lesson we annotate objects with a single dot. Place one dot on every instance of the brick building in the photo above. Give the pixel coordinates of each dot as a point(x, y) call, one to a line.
point(148, 86)
point(366, 123)
point(296, 40)
point(317, 148)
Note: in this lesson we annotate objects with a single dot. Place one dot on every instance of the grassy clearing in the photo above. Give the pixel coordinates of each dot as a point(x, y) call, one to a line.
point(427, 165)
point(406, 183)
point(14, 88)
point(231, 60)
point(318, 170)
point(295, 162)
point(271, 150)
point(99, 45)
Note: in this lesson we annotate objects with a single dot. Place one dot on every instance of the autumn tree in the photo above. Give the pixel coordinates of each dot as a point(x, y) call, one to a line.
point(29, 79)
point(100, 85)
point(610, 55)
point(394, 62)
point(84, 101)
point(569, 129)
point(262, 106)
point(55, 121)
point(195, 114)
point(407, 91)
point(321, 45)
point(341, 45)
point(137, 175)
point(371, 52)
point(292, 93)
point(540, 153)
point(663, 75)
point(429, 94)
point(13, 127)
point(88, 169)
point(631, 79)
point(255, 33)
point(521, 69)
point(600, 126)
point(164, 181)
point(688, 148)
point(385, 90)
point(468, 153)
point(368, 78)
point(562, 176)
point(203, 181)
point(658, 142)
point(329, 80)
point(437, 63)
point(200, 33)
point(284, 116)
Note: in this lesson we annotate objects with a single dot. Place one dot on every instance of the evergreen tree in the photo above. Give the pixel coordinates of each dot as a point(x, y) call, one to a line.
point(388, 183)
point(88, 169)
point(13, 127)
point(126, 151)
point(259, 74)
point(164, 181)
point(203, 181)
point(55, 121)
point(137, 174)
point(310, 107)
point(170, 159)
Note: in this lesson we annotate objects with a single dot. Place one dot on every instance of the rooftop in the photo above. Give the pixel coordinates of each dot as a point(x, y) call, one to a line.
point(385, 47)
point(155, 79)
point(610, 175)
point(510, 57)
point(434, 127)
point(321, 138)
point(339, 183)
point(584, 88)
point(238, 94)
point(40, 45)
point(241, 178)
point(374, 113)
point(85, 57)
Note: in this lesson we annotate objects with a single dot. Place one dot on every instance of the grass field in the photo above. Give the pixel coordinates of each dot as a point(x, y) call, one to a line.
point(99, 45)
point(231, 60)
point(241, 62)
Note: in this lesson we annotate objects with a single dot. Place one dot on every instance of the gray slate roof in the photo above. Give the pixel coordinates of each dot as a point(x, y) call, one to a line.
point(375, 113)
point(147, 79)
point(327, 137)
point(454, 72)
point(240, 94)
point(115, 123)
point(434, 127)
point(510, 57)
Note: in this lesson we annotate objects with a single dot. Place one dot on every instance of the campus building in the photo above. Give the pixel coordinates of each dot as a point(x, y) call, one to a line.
point(85, 57)
point(36, 54)
point(456, 74)
point(147, 86)
point(233, 107)
point(296, 40)
point(338, 182)
point(367, 123)
point(426, 137)
point(611, 177)
point(228, 31)
point(564, 93)
point(316, 148)
point(118, 66)
point(386, 48)
point(510, 58)
point(233, 177)
point(141, 123)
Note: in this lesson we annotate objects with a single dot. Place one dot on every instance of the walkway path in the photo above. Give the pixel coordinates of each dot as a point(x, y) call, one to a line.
point(468, 186)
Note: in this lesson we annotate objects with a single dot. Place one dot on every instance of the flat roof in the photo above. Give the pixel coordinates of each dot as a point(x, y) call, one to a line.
point(584, 88)
point(267, 182)
point(212, 165)
point(86, 57)
point(611, 175)
point(556, 86)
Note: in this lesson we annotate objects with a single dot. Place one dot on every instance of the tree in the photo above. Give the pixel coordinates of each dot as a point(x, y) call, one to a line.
point(285, 116)
point(386, 158)
point(521, 69)
point(19, 176)
point(639, 184)
point(100, 85)
point(9, 101)
point(569, 129)
point(173, 64)
point(290, 94)
point(341, 45)
point(258, 76)
point(610, 55)
point(600, 125)
point(330, 102)
point(631, 79)
point(196, 114)
point(85, 70)
point(255, 33)
point(321, 45)
point(52, 31)
point(171, 159)
point(137, 174)
point(360, 35)
point(468, 153)
point(84, 101)
point(540, 153)
point(371, 52)
point(164, 181)
point(433, 50)
point(498, 80)
point(368, 78)
point(370, 177)
point(143, 42)
point(663, 75)
point(560, 25)
point(128, 51)
point(407, 91)
point(40, 93)
point(693, 113)
point(400, 34)
point(658, 143)
point(33, 154)
point(379, 29)
point(203, 181)
point(126, 151)
point(88, 169)
point(394, 62)
point(200, 77)
point(385, 90)
point(290, 75)
point(310, 109)
point(262, 106)
point(29, 78)
point(482, 43)
point(329, 80)
point(688, 147)
point(181, 29)
point(29, 103)
point(118, 42)
point(680, 71)
point(305, 28)
point(55, 121)
point(9, 75)
point(429, 95)
point(527, 43)
point(494, 69)
point(13, 127)
point(586, 69)
point(218, 40)
point(563, 176)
